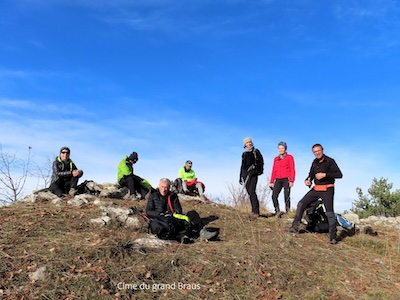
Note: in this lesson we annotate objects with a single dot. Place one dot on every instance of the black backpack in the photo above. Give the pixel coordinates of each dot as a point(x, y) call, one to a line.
point(86, 188)
point(258, 161)
point(163, 227)
point(177, 186)
point(316, 218)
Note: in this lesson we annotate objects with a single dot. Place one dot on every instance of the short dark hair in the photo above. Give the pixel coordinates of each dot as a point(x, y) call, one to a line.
point(64, 148)
point(317, 145)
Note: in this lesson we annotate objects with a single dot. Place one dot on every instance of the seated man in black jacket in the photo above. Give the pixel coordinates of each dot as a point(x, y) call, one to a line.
point(163, 204)
point(64, 179)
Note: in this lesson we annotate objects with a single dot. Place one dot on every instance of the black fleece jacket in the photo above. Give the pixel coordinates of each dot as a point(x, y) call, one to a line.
point(328, 166)
point(252, 164)
point(158, 204)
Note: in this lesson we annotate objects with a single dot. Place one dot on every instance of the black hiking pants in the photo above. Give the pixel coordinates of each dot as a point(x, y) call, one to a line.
point(251, 185)
point(63, 184)
point(278, 185)
point(310, 197)
point(133, 183)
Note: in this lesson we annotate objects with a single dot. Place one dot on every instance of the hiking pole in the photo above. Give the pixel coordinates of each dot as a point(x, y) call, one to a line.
point(252, 167)
point(136, 211)
point(244, 186)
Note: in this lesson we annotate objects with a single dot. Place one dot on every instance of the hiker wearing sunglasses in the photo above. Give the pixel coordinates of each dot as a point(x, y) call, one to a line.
point(65, 174)
point(187, 182)
point(323, 173)
point(252, 166)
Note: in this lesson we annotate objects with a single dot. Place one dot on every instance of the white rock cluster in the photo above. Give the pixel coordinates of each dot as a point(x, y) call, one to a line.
point(388, 222)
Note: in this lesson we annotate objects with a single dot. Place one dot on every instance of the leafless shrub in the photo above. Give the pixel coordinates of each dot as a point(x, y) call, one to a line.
point(13, 174)
point(238, 196)
point(42, 173)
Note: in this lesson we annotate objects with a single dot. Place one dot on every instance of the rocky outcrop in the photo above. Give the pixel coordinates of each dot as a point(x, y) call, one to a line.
point(98, 194)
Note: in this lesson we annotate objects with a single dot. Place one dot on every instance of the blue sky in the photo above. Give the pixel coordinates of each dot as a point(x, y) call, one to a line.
point(177, 80)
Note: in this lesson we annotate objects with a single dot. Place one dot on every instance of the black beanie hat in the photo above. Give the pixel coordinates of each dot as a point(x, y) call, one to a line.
point(133, 157)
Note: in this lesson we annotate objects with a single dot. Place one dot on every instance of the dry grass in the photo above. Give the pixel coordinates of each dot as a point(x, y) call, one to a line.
point(252, 260)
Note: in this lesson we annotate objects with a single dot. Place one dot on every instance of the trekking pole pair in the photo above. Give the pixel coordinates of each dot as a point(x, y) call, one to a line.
point(244, 186)
point(252, 167)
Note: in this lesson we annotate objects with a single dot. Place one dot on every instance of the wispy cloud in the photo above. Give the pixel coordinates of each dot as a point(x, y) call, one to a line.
point(15, 104)
point(348, 99)
point(371, 9)
point(14, 74)
point(23, 110)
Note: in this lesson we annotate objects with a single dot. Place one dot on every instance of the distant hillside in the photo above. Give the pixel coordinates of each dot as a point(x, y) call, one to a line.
point(52, 250)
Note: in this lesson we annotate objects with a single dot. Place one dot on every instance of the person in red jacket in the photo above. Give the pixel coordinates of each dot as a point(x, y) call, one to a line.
point(282, 176)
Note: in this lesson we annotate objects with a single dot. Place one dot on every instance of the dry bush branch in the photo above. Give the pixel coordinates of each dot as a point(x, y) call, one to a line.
point(13, 175)
point(238, 196)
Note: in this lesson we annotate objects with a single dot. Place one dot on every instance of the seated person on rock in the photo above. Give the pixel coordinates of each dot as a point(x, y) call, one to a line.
point(187, 182)
point(134, 183)
point(65, 177)
point(168, 220)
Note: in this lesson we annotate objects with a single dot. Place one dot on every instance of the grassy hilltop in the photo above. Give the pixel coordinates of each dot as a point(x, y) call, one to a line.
point(252, 259)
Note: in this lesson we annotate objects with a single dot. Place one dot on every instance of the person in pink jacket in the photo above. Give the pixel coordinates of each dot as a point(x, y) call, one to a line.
point(283, 175)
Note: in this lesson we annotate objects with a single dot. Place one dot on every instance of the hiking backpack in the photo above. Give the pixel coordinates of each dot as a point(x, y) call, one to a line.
point(163, 227)
point(342, 221)
point(177, 186)
point(87, 187)
point(258, 161)
point(317, 220)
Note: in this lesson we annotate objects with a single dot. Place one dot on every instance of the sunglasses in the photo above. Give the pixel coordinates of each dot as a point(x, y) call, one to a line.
point(64, 152)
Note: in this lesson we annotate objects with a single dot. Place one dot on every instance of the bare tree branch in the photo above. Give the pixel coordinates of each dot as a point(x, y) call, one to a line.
point(13, 175)
point(43, 174)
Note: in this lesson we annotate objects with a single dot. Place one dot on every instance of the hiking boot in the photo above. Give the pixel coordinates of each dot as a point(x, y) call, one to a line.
point(203, 198)
point(333, 241)
point(186, 240)
point(72, 192)
point(279, 214)
point(207, 235)
point(136, 197)
point(253, 216)
point(292, 230)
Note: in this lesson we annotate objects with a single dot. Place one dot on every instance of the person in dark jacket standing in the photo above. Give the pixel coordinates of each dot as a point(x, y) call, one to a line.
point(65, 174)
point(252, 166)
point(282, 176)
point(323, 172)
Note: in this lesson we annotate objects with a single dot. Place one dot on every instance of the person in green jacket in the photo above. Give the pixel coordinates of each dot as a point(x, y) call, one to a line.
point(134, 183)
point(187, 182)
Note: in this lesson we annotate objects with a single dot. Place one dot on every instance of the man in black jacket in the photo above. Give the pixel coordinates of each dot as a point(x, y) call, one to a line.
point(323, 172)
point(252, 166)
point(65, 174)
point(157, 205)
point(163, 203)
